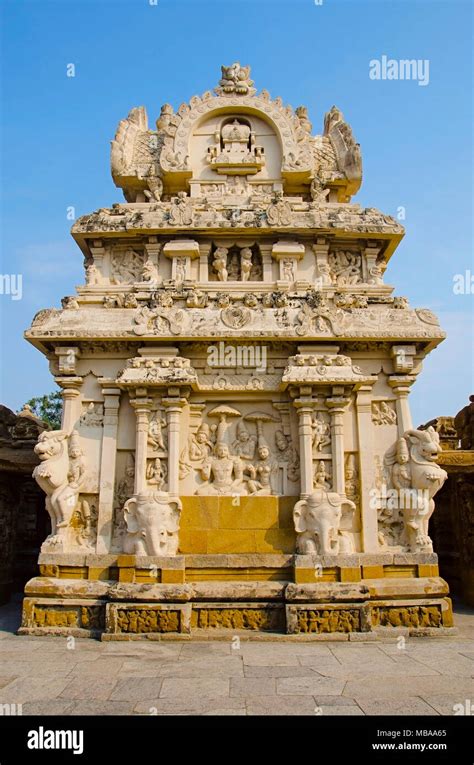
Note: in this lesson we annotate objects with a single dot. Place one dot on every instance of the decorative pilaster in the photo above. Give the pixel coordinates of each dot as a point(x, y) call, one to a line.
point(336, 406)
point(305, 406)
point(174, 407)
point(142, 406)
point(107, 469)
point(71, 401)
point(368, 262)
point(204, 250)
point(401, 387)
point(366, 468)
point(321, 251)
point(153, 249)
point(266, 252)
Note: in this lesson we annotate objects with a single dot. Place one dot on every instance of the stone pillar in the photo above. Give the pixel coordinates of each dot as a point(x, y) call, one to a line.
point(305, 407)
point(365, 433)
point(142, 406)
point(204, 250)
point(98, 253)
point(266, 253)
point(368, 262)
point(107, 469)
point(401, 387)
point(321, 250)
point(174, 406)
point(71, 402)
point(337, 405)
point(152, 249)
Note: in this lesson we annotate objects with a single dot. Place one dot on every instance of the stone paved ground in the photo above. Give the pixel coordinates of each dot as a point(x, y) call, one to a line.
point(428, 677)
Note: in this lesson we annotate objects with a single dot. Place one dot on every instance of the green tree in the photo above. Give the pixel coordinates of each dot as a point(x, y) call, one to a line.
point(49, 408)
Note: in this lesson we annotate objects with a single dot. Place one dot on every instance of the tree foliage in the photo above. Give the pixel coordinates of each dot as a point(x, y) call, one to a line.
point(49, 408)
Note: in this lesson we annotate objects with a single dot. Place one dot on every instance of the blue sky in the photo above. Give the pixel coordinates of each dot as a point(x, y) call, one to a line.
point(416, 141)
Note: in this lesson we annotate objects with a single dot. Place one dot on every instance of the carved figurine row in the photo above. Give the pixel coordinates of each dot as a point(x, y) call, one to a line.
point(151, 518)
point(342, 268)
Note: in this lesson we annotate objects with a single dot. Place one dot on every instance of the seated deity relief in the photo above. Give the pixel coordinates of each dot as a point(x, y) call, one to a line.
point(243, 464)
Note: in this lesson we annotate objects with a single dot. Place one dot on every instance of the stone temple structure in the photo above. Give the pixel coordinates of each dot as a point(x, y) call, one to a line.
point(236, 451)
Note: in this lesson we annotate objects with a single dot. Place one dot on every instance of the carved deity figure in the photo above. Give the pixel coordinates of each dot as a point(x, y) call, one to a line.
point(383, 414)
point(221, 473)
point(157, 472)
point(233, 268)
point(92, 275)
point(245, 443)
point(126, 267)
point(345, 267)
point(351, 479)
point(260, 473)
point(150, 272)
point(181, 213)
point(321, 434)
point(126, 485)
point(287, 453)
point(180, 273)
point(156, 437)
point(288, 269)
point(322, 476)
point(196, 451)
point(93, 416)
point(246, 263)
point(219, 264)
point(279, 211)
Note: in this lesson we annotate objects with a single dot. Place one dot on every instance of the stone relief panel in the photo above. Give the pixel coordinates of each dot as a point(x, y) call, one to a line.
point(126, 267)
point(383, 413)
point(235, 449)
point(345, 268)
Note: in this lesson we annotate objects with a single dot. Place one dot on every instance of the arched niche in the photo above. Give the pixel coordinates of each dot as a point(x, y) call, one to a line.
point(209, 144)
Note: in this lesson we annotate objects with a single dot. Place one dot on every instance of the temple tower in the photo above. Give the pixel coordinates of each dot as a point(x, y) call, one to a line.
point(236, 450)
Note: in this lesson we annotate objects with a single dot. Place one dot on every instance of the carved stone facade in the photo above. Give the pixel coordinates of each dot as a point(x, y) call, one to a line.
point(235, 374)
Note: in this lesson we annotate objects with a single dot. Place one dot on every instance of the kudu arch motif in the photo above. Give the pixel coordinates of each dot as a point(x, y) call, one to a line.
point(235, 374)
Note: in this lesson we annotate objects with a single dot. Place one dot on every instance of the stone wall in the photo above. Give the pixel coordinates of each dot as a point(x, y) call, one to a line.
point(23, 519)
point(453, 523)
